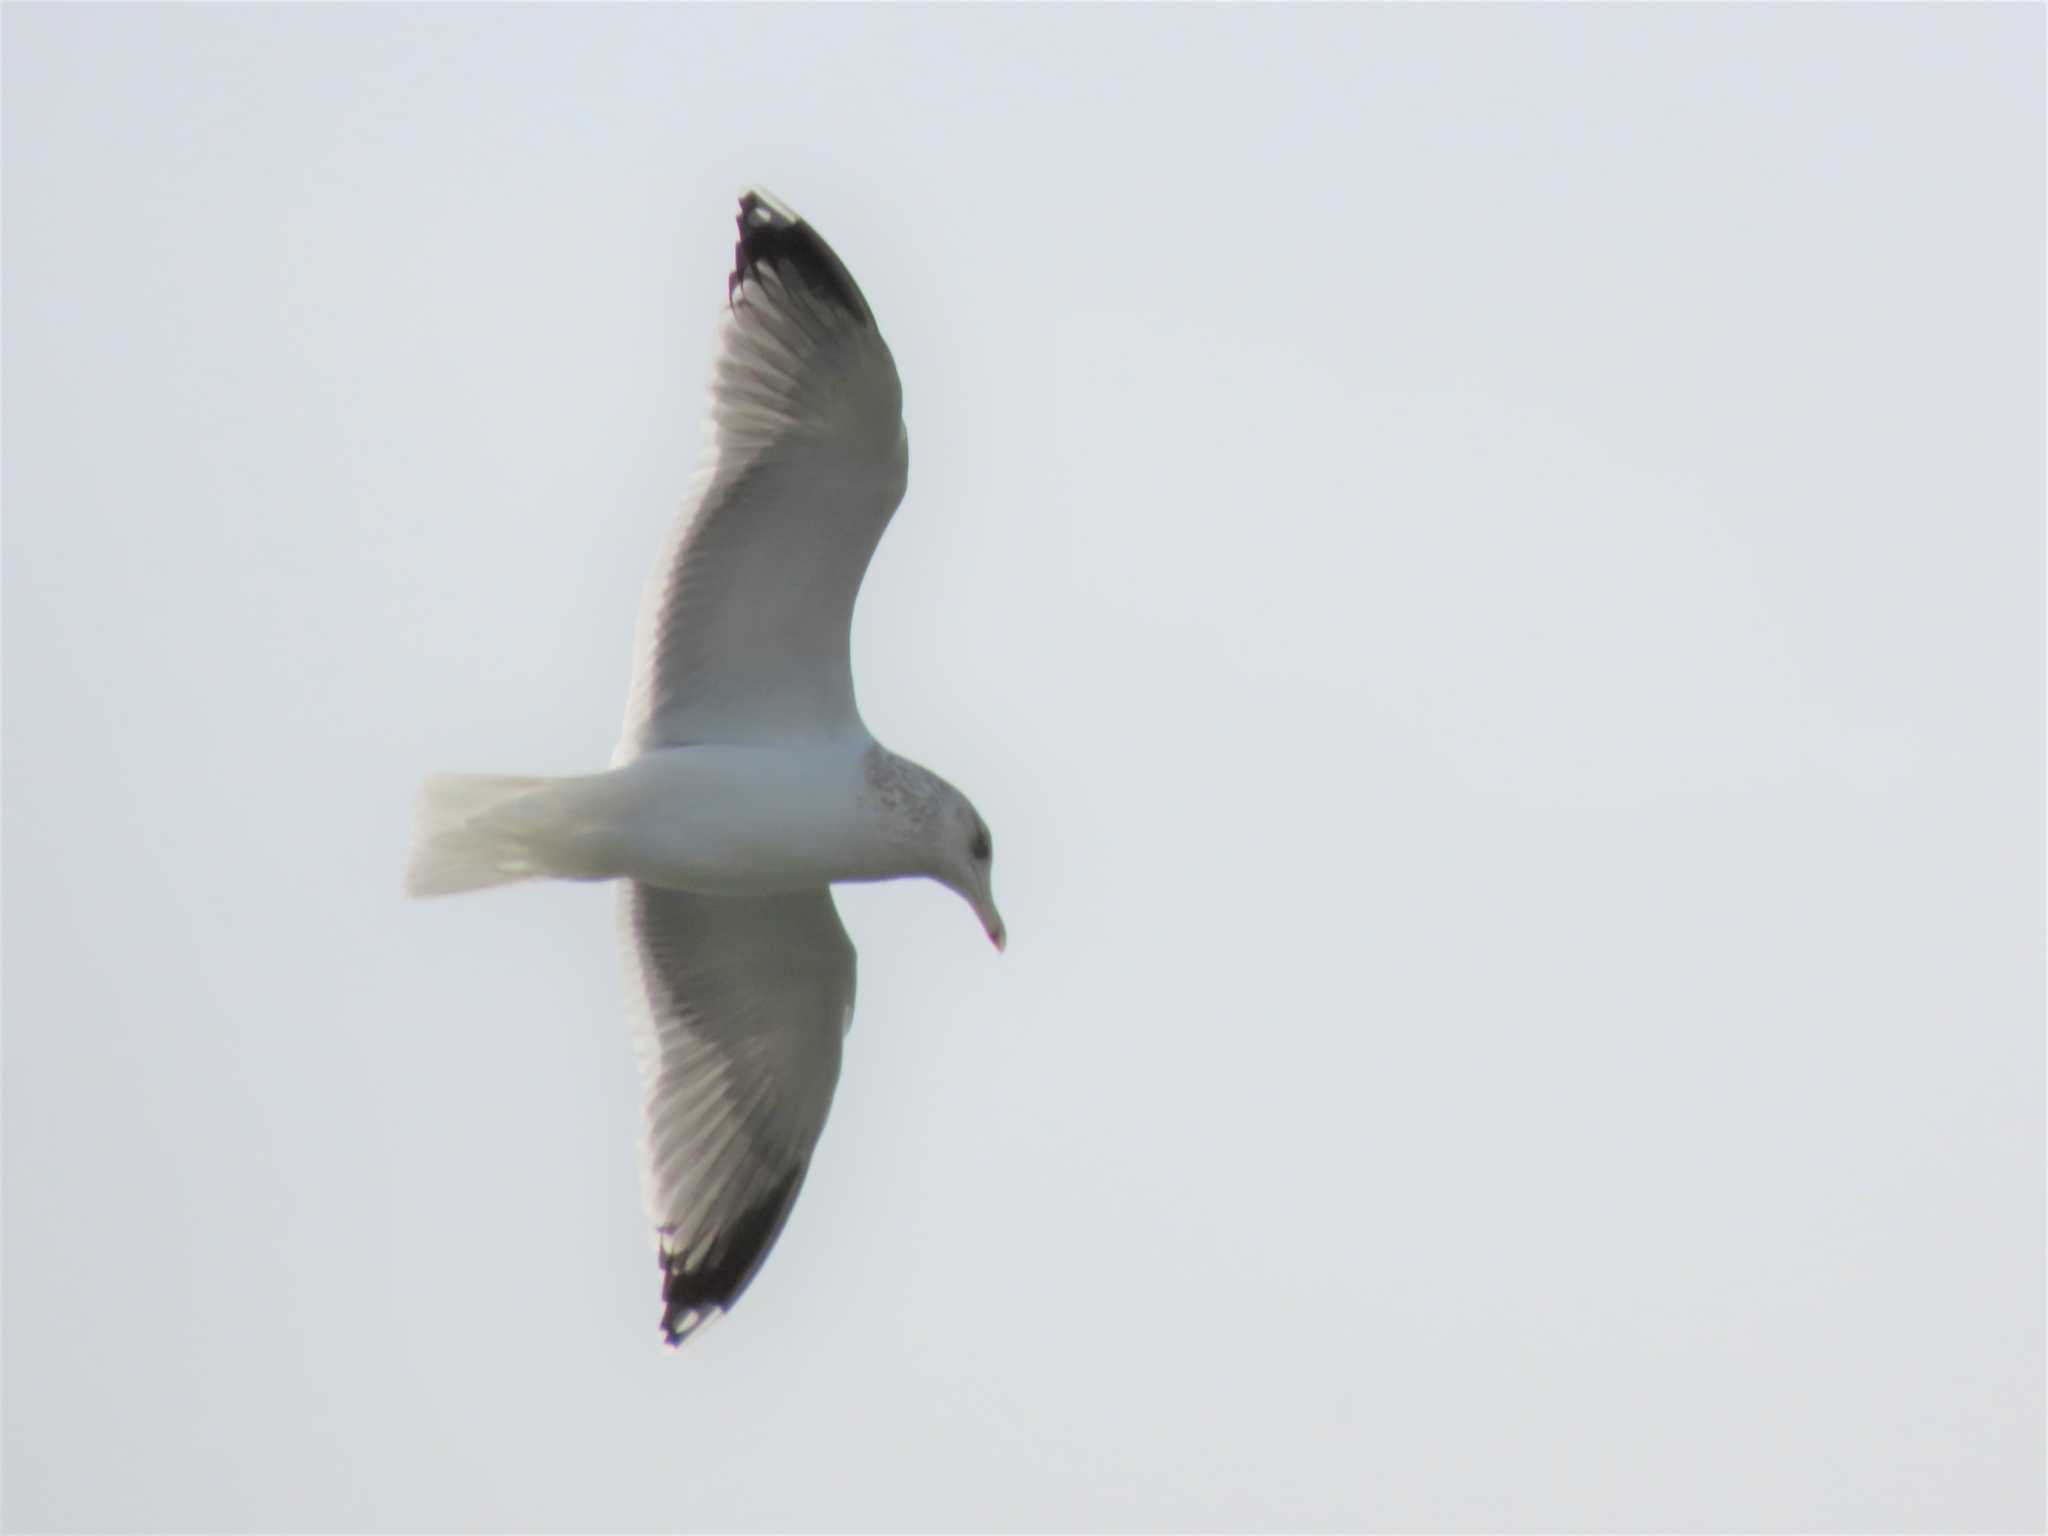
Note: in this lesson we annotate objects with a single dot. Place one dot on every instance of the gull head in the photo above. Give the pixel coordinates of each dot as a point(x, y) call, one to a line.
point(972, 869)
point(935, 832)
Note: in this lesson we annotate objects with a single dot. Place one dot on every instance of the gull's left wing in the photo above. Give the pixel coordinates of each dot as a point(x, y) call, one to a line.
point(740, 1006)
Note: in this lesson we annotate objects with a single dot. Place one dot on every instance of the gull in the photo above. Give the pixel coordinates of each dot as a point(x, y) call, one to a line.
point(745, 785)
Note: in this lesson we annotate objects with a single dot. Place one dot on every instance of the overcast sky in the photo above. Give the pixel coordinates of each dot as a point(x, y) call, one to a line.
point(1485, 567)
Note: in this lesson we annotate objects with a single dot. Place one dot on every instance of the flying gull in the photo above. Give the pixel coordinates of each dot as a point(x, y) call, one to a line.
point(745, 784)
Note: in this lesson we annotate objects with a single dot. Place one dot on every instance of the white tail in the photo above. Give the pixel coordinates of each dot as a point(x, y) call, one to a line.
point(463, 841)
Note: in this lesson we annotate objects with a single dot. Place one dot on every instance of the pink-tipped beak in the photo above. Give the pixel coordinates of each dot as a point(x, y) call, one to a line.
point(991, 921)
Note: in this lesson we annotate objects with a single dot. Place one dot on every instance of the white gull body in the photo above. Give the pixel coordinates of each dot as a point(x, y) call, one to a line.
point(745, 783)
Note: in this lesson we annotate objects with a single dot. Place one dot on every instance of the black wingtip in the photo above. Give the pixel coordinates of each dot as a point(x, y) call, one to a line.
point(693, 1294)
point(773, 236)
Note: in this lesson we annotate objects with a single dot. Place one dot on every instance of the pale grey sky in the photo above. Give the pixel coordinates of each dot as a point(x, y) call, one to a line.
point(1486, 567)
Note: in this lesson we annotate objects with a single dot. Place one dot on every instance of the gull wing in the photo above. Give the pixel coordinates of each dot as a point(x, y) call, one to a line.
point(744, 630)
point(741, 1006)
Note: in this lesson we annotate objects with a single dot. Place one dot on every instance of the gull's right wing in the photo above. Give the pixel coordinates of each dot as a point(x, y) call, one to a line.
point(744, 631)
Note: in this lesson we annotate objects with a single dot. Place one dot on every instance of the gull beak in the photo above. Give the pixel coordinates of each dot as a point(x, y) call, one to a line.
point(992, 920)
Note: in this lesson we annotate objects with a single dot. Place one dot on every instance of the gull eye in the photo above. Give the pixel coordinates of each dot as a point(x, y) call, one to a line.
point(980, 851)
